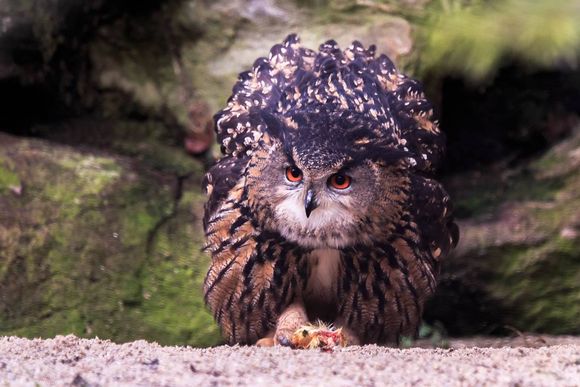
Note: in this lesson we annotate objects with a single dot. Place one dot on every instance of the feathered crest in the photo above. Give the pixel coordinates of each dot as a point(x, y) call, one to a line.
point(294, 79)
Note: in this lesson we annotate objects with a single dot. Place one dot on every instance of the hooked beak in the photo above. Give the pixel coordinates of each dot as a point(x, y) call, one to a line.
point(310, 202)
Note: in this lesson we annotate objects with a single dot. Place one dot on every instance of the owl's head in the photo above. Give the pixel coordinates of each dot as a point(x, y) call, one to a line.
point(332, 140)
point(324, 180)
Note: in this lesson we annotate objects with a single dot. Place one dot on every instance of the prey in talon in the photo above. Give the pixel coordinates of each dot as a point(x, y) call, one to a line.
point(324, 205)
point(313, 336)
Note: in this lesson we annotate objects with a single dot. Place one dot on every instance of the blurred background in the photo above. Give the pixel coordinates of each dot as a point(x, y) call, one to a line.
point(106, 129)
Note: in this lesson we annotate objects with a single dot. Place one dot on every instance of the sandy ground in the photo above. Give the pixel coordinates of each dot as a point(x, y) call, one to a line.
point(67, 360)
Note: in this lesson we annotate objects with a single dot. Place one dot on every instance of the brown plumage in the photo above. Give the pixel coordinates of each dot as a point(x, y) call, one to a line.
point(322, 206)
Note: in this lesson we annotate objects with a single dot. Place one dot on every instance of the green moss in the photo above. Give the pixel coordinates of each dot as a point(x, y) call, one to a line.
point(174, 306)
point(168, 159)
point(50, 326)
point(486, 194)
point(173, 280)
point(100, 248)
point(473, 38)
point(540, 287)
point(539, 284)
point(92, 173)
point(8, 179)
point(517, 262)
point(559, 161)
point(545, 179)
point(530, 287)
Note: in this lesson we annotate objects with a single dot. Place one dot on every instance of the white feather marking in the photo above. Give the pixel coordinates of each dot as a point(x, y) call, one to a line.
point(292, 209)
point(327, 216)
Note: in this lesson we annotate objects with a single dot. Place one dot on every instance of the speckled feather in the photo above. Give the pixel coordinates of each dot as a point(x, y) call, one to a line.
point(331, 109)
point(294, 78)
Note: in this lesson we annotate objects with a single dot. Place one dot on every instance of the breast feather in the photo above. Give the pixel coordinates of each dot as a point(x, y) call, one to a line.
point(322, 282)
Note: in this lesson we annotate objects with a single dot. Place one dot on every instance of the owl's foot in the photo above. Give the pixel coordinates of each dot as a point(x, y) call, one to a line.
point(293, 317)
point(318, 335)
point(265, 342)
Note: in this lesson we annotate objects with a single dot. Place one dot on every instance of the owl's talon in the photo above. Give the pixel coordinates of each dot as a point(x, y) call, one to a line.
point(283, 341)
point(290, 319)
point(265, 342)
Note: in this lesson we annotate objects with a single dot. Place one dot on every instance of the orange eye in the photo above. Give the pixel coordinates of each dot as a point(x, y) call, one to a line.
point(339, 181)
point(293, 174)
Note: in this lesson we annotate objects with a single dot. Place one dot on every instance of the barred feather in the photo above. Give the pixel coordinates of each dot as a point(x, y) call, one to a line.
point(325, 111)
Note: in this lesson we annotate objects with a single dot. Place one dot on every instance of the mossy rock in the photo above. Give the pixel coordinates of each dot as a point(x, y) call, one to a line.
point(517, 266)
point(236, 34)
point(99, 245)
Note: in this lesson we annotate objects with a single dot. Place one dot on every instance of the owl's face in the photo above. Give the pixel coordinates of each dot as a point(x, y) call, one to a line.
point(319, 196)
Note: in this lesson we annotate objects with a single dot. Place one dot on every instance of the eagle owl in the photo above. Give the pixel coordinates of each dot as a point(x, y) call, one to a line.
point(323, 206)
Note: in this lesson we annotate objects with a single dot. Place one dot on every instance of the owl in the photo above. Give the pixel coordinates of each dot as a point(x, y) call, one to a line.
point(323, 206)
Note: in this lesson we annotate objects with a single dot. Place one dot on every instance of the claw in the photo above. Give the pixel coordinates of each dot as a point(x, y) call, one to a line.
point(283, 341)
point(265, 342)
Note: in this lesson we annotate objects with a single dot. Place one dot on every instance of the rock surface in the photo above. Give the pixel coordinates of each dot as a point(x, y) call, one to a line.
point(66, 361)
point(103, 237)
point(98, 244)
point(517, 264)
